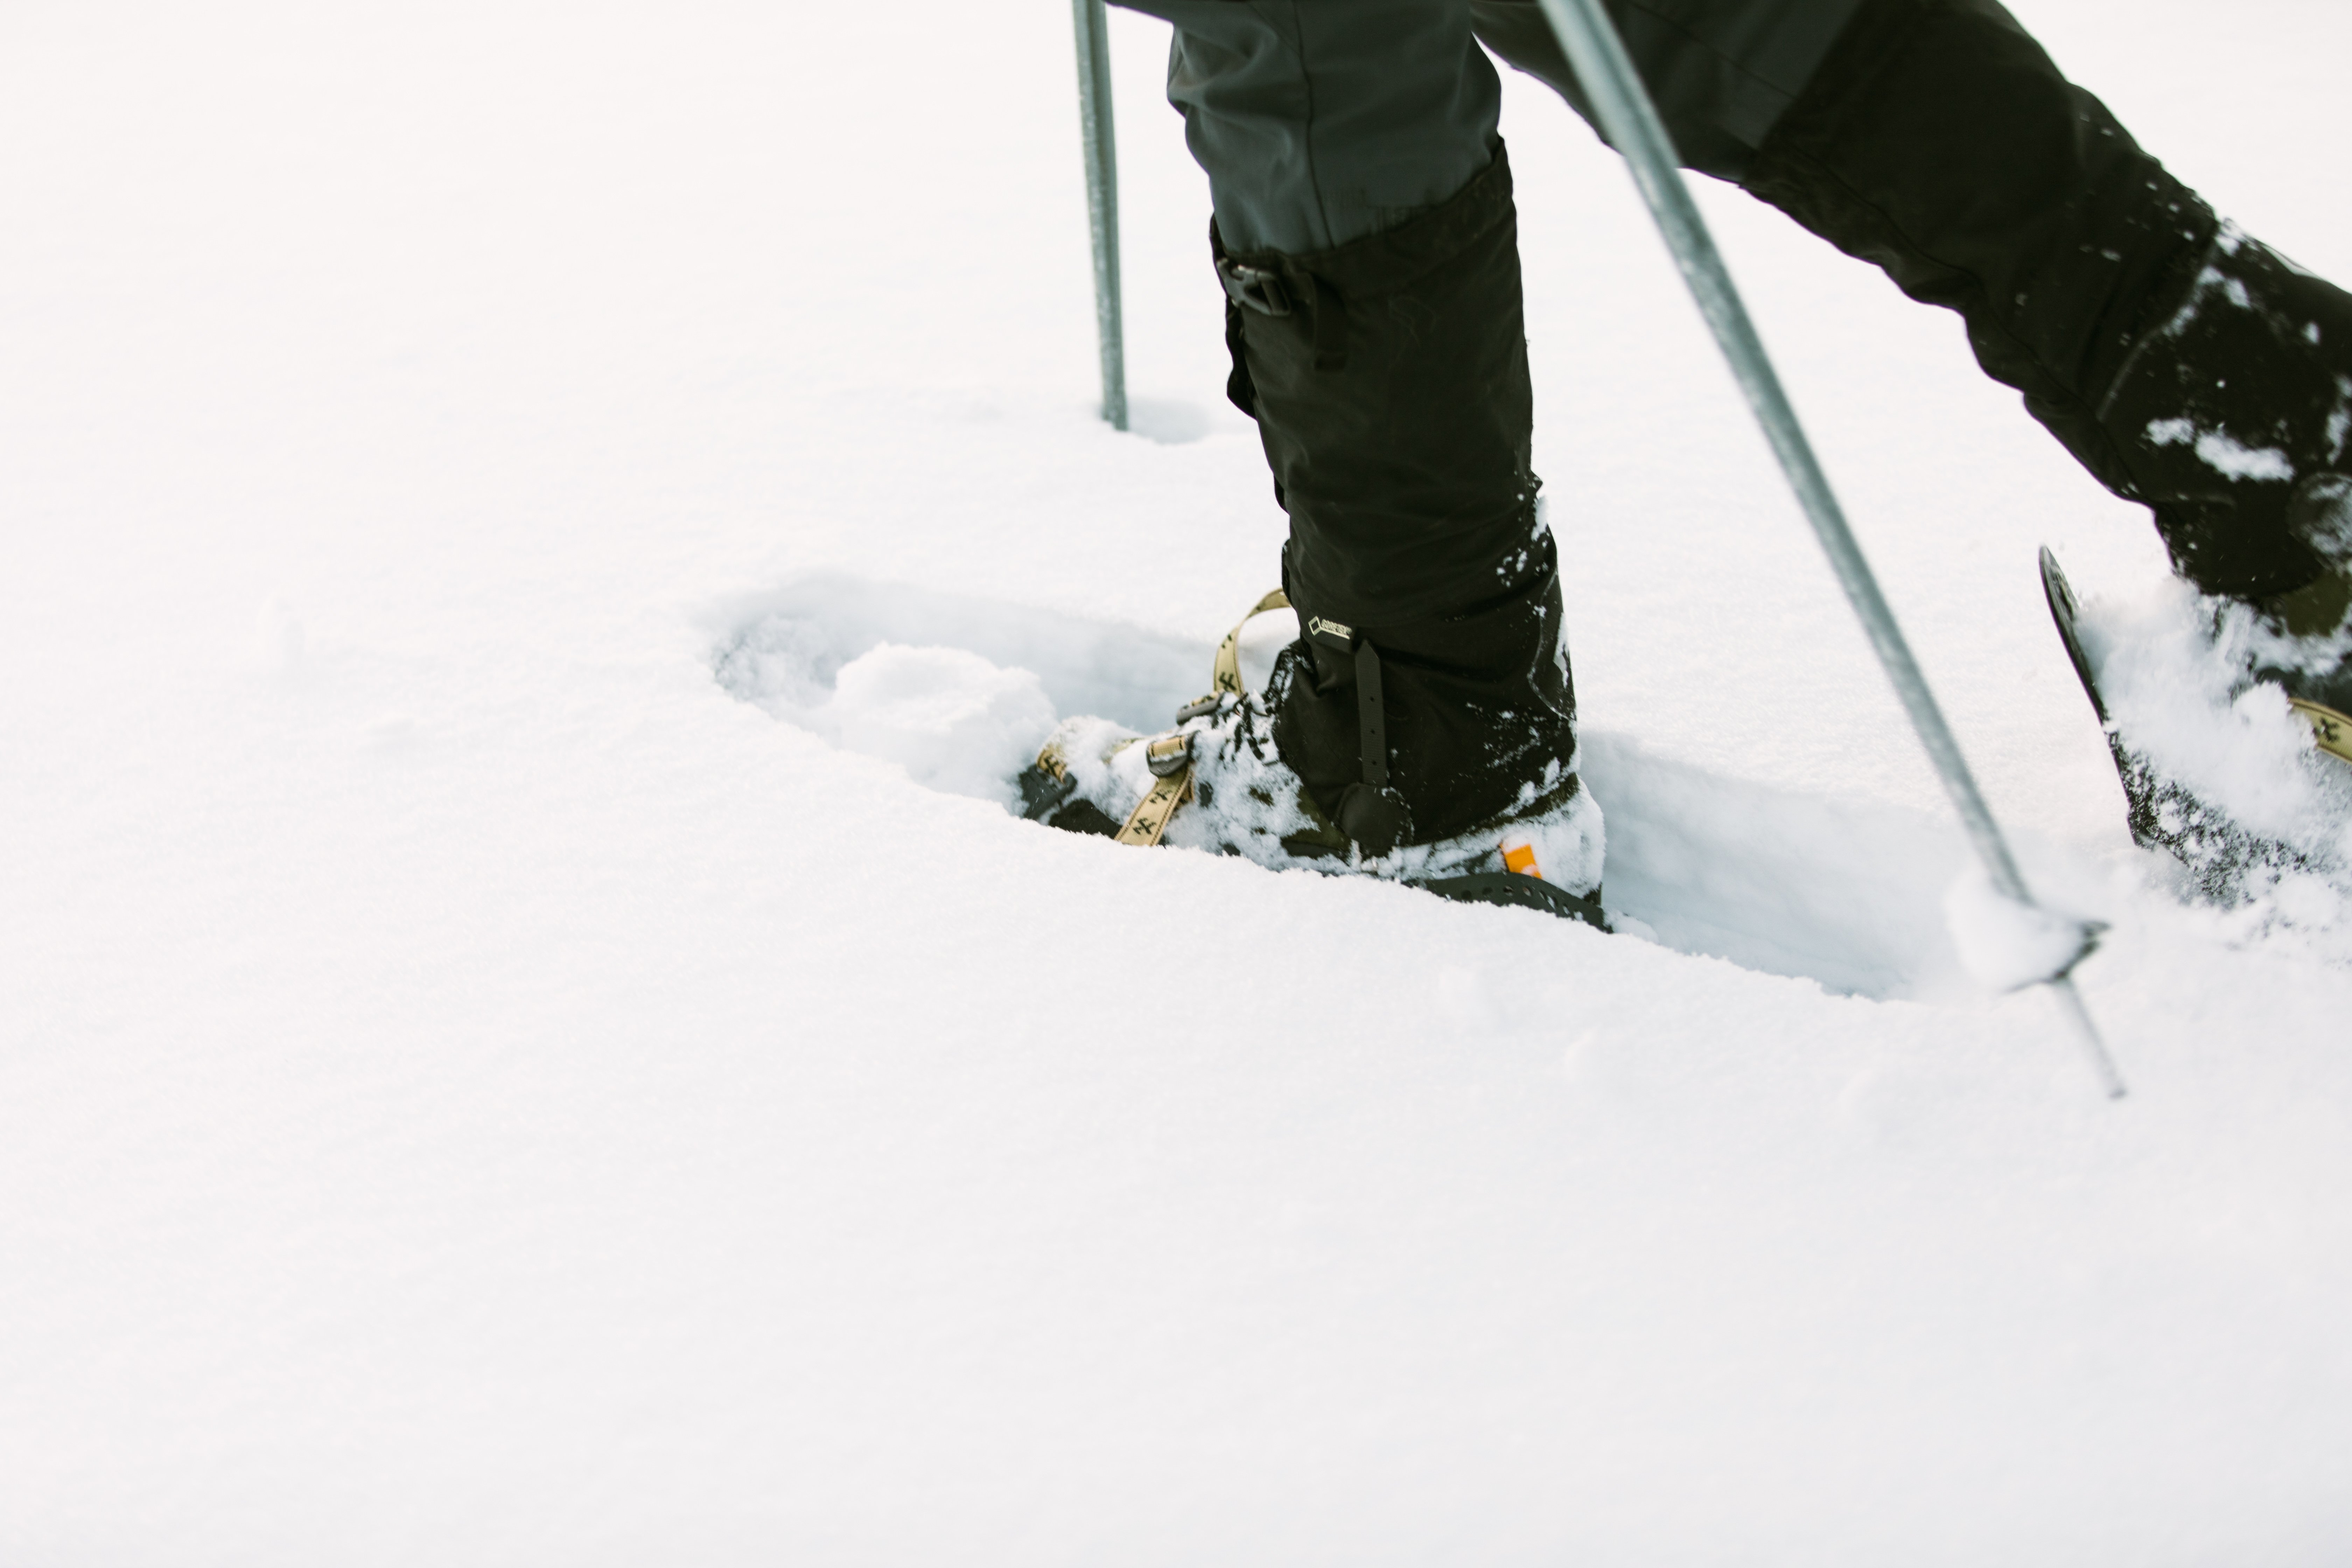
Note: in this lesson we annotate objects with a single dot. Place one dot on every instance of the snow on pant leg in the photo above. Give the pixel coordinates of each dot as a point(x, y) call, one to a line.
point(1369, 244)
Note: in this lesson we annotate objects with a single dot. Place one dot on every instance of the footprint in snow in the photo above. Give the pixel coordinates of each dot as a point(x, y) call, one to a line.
point(962, 691)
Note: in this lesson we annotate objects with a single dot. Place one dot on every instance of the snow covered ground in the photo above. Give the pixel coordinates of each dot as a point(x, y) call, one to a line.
point(474, 1090)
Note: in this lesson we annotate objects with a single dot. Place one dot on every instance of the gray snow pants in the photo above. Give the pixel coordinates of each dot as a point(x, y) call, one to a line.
point(1933, 138)
point(1367, 240)
point(1321, 122)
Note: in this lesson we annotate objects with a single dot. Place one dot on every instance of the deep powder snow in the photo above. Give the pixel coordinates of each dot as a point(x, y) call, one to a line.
point(529, 1033)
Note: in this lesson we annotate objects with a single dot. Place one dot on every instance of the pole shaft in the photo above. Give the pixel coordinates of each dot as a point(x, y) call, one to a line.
point(1633, 124)
point(1102, 199)
point(1630, 122)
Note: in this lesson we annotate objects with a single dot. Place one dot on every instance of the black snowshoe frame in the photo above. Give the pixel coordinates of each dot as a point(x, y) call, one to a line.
point(2219, 854)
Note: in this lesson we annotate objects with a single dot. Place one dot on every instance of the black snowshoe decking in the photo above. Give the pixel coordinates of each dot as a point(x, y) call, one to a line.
point(2218, 852)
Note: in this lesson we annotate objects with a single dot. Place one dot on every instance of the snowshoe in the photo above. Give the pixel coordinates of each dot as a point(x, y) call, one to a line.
point(2225, 854)
point(1217, 782)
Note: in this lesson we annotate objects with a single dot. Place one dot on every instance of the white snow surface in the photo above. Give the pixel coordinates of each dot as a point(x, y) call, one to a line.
point(473, 1091)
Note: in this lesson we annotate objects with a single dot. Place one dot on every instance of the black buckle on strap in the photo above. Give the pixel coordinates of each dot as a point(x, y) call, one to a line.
point(1253, 287)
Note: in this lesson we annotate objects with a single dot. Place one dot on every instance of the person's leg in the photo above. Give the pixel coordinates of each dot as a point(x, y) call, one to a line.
point(1321, 122)
point(1367, 240)
point(2186, 367)
point(1722, 73)
point(1940, 141)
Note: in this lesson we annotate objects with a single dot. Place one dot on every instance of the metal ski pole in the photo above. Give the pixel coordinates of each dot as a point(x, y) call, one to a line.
point(1631, 120)
point(1102, 199)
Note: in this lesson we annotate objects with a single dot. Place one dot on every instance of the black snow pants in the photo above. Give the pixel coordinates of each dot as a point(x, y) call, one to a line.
point(1365, 239)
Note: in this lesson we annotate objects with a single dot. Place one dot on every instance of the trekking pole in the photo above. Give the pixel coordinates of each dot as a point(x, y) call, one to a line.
point(1102, 200)
point(1631, 123)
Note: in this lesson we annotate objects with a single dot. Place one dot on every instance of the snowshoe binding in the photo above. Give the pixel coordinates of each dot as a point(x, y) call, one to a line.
point(1217, 782)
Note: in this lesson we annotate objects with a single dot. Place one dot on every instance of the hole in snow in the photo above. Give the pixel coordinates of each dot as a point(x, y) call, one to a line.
point(786, 651)
point(961, 691)
point(1172, 422)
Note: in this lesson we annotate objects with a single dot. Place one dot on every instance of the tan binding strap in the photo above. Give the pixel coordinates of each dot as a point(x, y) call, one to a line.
point(1151, 814)
point(2331, 730)
point(1149, 818)
point(1226, 673)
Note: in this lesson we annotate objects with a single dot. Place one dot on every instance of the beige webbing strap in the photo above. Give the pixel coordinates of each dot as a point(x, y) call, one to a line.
point(1149, 818)
point(1226, 672)
point(2331, 730)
